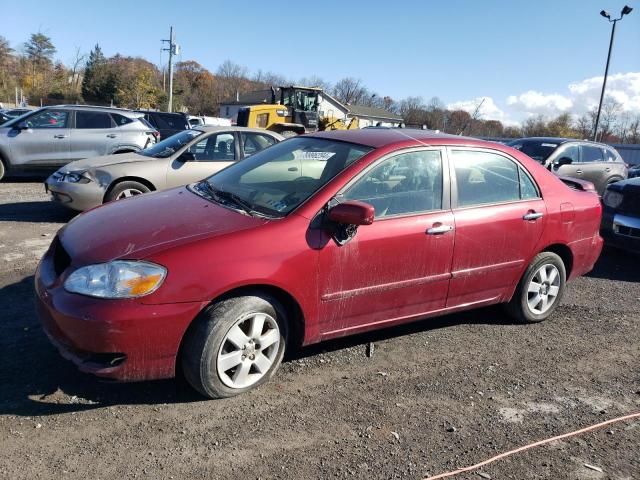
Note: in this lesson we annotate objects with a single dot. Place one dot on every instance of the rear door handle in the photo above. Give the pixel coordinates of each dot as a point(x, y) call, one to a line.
point(292, 169)
point(112, 135)
point(59, 136)
point(608, 169)
point(579, 172)
point(439, 230)
point(532, 216)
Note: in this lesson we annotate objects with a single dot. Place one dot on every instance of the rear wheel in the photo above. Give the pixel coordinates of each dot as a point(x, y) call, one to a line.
point(540, 289)
point(234, 346)
point(2, 170)
point(126, 189)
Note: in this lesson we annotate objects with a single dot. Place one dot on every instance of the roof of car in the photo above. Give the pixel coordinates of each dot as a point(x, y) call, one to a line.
point(222, 128)
point(382, 137)
point(93, 107)
point(558, 140)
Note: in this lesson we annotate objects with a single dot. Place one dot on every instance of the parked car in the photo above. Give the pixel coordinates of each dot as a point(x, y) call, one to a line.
point(319, 236)
point(621, 215)
point(16, 112)
point(185, 157)
point(165, 122)
point(202, 121)
point(595, 162)
point(634, 171)
point(4, 118)
point(54, 136)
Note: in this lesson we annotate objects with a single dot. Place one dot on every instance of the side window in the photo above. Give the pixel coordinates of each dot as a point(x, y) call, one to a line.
point(591, 154)
point(174, 121)
point(254, 142)
point(121, 119)
point(404, 184)
point(609, 155)
point(48, 119)
point(484, 177)
point(572, 152)
point(528, 189)
point(220, 147)
point(93, 120)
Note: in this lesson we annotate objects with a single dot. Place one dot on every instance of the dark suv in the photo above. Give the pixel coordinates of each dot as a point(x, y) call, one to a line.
point(166, 123)
point(598, 163)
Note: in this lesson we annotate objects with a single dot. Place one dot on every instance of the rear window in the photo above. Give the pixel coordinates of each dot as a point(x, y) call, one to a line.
point(591, 154)
point(173, 121)
point(538, 150)
point(121, 119)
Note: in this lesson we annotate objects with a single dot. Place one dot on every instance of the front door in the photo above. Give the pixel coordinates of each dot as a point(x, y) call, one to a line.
point(45, 141)
point(499, 218)
point(399, 266)
point(210, 155)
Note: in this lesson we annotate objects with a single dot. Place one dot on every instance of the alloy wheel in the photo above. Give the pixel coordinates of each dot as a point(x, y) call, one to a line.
point(248, 350)
point(129, 192)
point(543, 289)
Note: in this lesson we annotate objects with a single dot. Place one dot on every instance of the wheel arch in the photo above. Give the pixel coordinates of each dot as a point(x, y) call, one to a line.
point(128, 178)
point(564, 252)
point(292, 307)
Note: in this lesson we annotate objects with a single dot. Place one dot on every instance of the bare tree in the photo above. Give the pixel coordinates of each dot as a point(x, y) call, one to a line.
point(78, 60)
point(350, 90)
point(315, 81)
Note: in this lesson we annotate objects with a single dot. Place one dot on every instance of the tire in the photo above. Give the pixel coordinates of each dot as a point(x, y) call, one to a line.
point(288, 133)
point(126, 189)
point(2, 170)
point(614, 180)
point(223, 331)
point(536, 306)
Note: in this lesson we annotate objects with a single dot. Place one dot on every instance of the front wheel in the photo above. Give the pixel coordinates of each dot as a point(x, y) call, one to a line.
point(234, 346)
point(540, 289)
point(126, 189)
point(2, 170)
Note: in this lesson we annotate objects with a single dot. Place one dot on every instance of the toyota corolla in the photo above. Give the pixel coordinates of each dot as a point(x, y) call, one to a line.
point(321, 236)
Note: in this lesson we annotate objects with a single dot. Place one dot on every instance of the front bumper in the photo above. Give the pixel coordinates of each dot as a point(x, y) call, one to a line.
point(123, 340)
point(621, 231)
point(77, 196)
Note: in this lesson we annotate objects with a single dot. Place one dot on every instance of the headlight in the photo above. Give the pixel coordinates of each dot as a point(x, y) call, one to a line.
point(117, 279)
point(612, 198)
point(71, 177)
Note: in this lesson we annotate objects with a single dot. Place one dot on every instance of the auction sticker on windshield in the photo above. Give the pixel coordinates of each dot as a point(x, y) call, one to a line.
point(321, 156)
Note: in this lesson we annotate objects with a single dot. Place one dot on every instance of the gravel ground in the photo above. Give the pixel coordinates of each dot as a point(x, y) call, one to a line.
point(435, 395)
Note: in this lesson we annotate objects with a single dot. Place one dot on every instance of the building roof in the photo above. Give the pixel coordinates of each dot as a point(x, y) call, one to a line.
point(362, 111)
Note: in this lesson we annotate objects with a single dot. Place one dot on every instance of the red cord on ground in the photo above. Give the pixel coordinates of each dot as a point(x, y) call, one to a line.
point(535, 444)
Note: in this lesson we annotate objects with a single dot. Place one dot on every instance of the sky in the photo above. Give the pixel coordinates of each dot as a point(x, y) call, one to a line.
point(523, 57)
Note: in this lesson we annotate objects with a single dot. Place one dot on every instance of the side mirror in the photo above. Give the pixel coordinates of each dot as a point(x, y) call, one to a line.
point(352, 212)
point(562, 161)
point(187, 156)
point(21, 126)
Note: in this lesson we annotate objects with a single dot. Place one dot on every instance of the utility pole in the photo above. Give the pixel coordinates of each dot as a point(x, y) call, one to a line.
point(173, 49)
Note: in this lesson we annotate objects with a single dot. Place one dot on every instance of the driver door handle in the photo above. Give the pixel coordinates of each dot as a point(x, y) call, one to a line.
point(112, 135)
point(439, 230)
point(579, 172)
point(532, 216)
point(292, 169)
point(60, 136)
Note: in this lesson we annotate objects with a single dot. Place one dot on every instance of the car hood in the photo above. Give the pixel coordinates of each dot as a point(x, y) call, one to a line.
point(97, 162)
point(628, 184)
point(137, 227)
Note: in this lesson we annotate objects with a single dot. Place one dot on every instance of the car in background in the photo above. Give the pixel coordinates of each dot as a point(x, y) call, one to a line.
point(4, 118)
point(167, 123)
point(54, 136)
point(597, 163)
point(621, 215)
point(186, 157)
point(204, 121)
point(218, 278)
point(634, 171)
point(16, 112)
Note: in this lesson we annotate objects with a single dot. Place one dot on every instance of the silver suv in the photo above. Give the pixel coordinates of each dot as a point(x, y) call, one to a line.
point(54, 136)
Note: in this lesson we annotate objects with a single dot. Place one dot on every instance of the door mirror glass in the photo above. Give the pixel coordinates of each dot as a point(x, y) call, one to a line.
point(187, 156)
point(352, 212)
point(21, 126)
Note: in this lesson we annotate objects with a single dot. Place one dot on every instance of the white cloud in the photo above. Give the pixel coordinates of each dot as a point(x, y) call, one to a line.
point(533, 102)
point(488, 110)
point(623, 87)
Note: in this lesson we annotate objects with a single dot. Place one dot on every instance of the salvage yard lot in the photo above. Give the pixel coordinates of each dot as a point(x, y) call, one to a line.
point(435, 395)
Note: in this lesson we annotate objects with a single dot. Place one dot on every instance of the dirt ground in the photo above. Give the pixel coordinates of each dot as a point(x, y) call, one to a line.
point(434, 396)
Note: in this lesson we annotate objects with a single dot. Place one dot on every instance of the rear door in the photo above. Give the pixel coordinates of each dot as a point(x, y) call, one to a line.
point(253, 142)
point(211, 154)
point(92, 134)
point(593, 166)
point(45, 142)
point(499, 218)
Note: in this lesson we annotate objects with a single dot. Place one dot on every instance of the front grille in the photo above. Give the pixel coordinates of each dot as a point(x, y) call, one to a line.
point(61, 259)
point(627, 231)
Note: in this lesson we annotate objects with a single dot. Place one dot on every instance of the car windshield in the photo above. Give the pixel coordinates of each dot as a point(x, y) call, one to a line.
point(171, 145)
point(275, 181)
point(539, 150)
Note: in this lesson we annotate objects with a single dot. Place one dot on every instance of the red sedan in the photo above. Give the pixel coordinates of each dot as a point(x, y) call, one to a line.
point(320, 236)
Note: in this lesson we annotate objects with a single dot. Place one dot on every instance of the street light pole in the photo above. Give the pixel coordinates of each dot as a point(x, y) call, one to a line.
point(173, 50)
point(625, 11)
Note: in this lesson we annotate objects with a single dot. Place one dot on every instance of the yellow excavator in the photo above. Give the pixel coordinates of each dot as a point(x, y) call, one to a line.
point(293, 110)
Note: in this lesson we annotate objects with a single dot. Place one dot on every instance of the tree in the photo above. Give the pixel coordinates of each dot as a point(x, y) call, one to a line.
point(98, 83)
point(350, 91)
point(39, 49)
point(6, 62)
